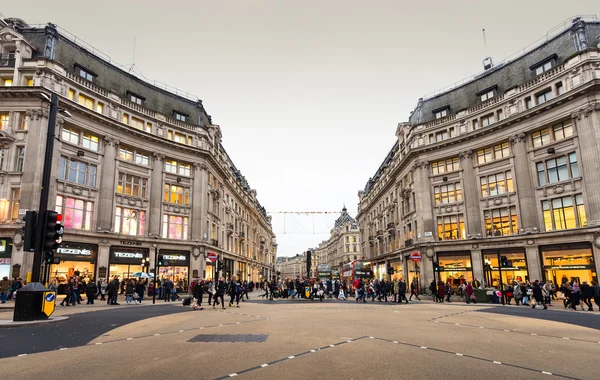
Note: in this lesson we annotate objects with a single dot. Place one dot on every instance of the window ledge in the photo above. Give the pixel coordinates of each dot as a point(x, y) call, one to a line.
point(559, 183)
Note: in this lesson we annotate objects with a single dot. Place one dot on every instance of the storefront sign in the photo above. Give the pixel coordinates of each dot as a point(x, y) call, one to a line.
point(500, 244)
point(570, 267)
point(131, 242)
point(5, 261)
point(446, 269)
point(5, 248)
point(415, 256)
point(173, 257)
point(74, 251)
point(128, 255)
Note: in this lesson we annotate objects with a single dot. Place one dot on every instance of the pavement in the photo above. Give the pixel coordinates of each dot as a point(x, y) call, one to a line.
point(296, 339)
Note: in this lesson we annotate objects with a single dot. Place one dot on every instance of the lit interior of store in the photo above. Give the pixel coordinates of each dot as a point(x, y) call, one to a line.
point(517, 272)
point(124, 270)
point(573, 264)
point(68, 269)
point(455, 270)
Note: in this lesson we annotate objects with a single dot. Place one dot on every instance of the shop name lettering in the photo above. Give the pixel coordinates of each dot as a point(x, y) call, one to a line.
point(131, 242)
point(173, 257)
point(128, 255)
point(505, 243)
point(74, 251)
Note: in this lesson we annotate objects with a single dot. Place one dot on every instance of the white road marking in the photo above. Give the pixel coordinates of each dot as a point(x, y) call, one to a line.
point(533, 334)
point(495, 362)
point(371, 337)
point(291, 357)
point(201, 327)
point(22, 355)
point(156, 334)
point(332, 345)
point(237, 323)
point(220, 325)
point(547, 373)
point(264, 365)
point(348, 341)
point(457, 354)
point(481, 327)
point(232, 374)
point(98, 343)
point(423, 347)
point(313, 350)
point(129, 338)
point(180, 330)
point(457, 324)
point(564, 337)
point(395, 341)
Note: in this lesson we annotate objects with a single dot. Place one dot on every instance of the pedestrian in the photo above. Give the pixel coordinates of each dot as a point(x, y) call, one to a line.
point(68, 293)
point(75, 292)
point(234, 292)
point(440, 291)
point(198, 292)
point(433, 289)
point(596, 290)
point(220, 288)
point(90, 291)
point(140, 289)
point(211, 291)
point(4, 288)
point(517, 293)
point(402, 291)
point(470, 293)
point(414, 290)
point(102, 286)
point(114, 289)
point(538, 295)
point(576, 295)
point(448, 291)
point(587, 295)
point(129, 290)
point(168, 289)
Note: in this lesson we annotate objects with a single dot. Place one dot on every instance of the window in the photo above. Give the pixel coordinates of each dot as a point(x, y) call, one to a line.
point(542, 68)
point(179, 137)
point(139, 124)
point(561, 213)
point(70, 135)
point(8, 82)
point(99, 107)
point(562, 130)
point(179, 116)
point(441, 113)
point(129, 222)
point(86, 74)
point(20, 158)
point(501, 222)
point(487, 120)
point(24, 122)
point(129, 154)
point(90, 141)
point(444, 166)
point(136, 99)
point(132, 185)
point(487, 95)
point(71, 94)
point(178, 195)
point(1, 158)
point(528, 102)
point(544, 96)
point(77, 213)
point(175, 227)
point(541, 138)
point(172, 166)
point(4, 120)
point(560, 89)
point(447, 193)
point(451, 227)
point(76, 171)
point(442, 135)
point(15, 197)
point(86, 102)
point(557, 169)
point(497, 184)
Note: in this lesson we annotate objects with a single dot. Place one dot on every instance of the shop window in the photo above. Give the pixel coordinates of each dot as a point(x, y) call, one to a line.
point(177, 194)
point(129, 222)
point(76, 171)
point(133, 185)
point(497, 184)
point(4, 121)
point(455, 269)
point(501, 222)
point(175, 227)
point(77, 213)
point(564, 213)
point(573, 263)
point(517, 272)
point(557, 169)
point(451, 227)
point(447, 193)
point(444, 166)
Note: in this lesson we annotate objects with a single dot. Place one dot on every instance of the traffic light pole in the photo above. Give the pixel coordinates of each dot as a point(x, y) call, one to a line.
point(155, 273)
point(45, 190)
point(500, 271)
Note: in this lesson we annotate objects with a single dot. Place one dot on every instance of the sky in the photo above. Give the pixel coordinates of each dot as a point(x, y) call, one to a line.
point(307, 93)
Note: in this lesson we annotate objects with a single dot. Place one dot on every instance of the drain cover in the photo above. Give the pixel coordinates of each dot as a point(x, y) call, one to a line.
point(230, 338)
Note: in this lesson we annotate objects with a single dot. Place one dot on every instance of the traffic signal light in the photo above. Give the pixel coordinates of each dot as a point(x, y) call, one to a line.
point(49, 258)
point(53, 231)
point(436, 266)
point(30, 220)
point(390, 270)
point(504, 262)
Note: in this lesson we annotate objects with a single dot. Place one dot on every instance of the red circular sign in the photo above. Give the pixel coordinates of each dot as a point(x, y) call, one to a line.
point(213, 257)
point(415, 256)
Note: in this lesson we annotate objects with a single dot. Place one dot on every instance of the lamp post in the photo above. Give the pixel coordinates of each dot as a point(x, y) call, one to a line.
point(155, 272)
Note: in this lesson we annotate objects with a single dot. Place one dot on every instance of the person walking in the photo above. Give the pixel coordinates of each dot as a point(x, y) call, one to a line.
point(433, 289)
point(211, 291)
point(587, 294)
point(220, 288)
point(168, 289)
point(198, 292)
point(440, 291)
point(538, 295)
point(402, 291)
point(448, 291)
point(91, 289)
point(140, 289)
point(470, 293)
point(414, 290)
point(234, 292)
point(596, 291)
point(517, 293)
point(114, 288)
point(68, 293)
point(102, 285)
point(129, 290)
point(576, 295)
point(4, 289)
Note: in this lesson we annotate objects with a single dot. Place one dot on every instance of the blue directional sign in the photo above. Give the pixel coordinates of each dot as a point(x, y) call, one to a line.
point(50, 297)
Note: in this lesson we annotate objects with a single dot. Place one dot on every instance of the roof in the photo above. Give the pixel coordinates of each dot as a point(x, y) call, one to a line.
point(344, 218)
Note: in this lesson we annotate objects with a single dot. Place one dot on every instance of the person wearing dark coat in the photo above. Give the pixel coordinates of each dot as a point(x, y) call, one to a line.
point(587, 295)
point(538, 295)
point(199, 293)
point(140, 289)
point(91, 289)
point(220, 288)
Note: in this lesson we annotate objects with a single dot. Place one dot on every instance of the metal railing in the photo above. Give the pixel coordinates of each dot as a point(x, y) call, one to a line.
point(7, 61)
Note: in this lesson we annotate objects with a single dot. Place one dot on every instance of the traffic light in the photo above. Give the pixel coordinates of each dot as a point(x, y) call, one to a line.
point(504, 262)
point(49, 258)
point(390, 270)
point(436, 266)
point(30, 220)
point(53, 231)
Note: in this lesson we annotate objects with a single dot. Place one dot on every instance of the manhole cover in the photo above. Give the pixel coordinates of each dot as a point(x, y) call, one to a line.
point(231, 338)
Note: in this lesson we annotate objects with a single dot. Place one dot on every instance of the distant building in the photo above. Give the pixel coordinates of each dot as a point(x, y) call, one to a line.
point(343, 245)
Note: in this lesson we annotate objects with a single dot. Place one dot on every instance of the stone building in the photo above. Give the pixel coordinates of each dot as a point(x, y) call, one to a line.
point(291, 267)
point(138, 168)
point(343, 245)
point(502, 164)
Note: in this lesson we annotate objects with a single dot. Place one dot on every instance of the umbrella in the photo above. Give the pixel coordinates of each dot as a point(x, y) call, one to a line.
point(142, 275)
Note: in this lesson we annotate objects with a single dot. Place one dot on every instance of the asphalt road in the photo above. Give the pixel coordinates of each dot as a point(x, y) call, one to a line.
point(302, 339)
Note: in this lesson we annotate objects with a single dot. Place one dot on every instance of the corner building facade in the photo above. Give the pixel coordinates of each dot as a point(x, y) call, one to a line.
point(139, 171)
point(504, 164)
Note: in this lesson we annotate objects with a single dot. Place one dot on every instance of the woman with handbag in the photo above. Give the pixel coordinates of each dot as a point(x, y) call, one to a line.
point(470, 293)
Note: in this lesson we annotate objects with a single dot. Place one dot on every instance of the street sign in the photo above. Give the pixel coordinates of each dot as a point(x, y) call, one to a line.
point(213, 257)
point(415, 256)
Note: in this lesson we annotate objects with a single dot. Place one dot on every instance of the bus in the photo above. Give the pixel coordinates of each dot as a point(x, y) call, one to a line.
point(362, 269)
point(324, 272)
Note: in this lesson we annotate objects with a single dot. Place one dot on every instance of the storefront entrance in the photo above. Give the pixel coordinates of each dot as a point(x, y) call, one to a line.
point(455, 268)
point(517, 272)
point(414, 273)
point(125, 261)
point(574, 262)
point(5, 257)
point(397, 266)
point(209, 271)
point(175, 266)
point(379, 271)
point(76, 259)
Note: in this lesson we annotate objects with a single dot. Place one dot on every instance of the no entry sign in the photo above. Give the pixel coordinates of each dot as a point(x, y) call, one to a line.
point(213, 257)
point(415, 256)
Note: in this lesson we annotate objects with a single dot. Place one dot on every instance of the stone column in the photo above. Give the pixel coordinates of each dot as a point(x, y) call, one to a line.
point(534, 267)
point(423, 201)
point(106, 183)
point(156, 189)
point(103, 258)
point(596, 254)
point(197, 191)
point(470, 194)
point(477, 264)
point(34, 159)
point(587, 124)
point(203, 193)
point(524, 182)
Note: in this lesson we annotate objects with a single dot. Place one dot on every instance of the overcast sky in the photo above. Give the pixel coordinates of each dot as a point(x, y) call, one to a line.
point(307, 93)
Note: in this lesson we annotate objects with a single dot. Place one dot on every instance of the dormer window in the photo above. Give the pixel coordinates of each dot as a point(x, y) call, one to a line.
point(180, 116)
point(134, 98)
point(441, 112)
point(85, 73)
point(544, 65)
point(487, 94)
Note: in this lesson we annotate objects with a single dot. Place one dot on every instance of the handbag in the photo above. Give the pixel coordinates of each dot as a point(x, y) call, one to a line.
point(472, 297)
